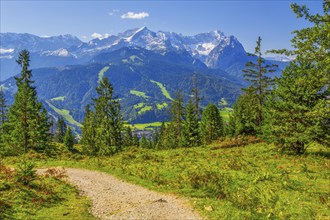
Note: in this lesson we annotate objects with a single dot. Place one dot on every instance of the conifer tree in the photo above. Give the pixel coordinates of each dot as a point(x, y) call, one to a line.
point(144, 142)
point(89, 133)
point(3, 108)
point(28, 124)
point(298, 109)
point(127, 136)
point(69, 139)
point(177, 113)
point(244, 119)
point(108, 119)
point(60, 130)
point(257, 74)
point(211, 124)
point(191, 136)
point(102, 132)
point(159, 136)
point(135, 140)
point(3, 116)
point(195, 94)
point(172, 136)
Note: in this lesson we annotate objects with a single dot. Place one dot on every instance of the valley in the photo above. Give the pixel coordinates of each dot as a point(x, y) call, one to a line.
point(143, 66)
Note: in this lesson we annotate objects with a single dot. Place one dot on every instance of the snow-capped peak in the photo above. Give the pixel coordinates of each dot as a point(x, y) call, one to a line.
point(141, 31)
point(60, 52)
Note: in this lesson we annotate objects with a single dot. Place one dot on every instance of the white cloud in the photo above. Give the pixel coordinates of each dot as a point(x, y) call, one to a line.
point(132, 15)
point(84, 37)
point(113, 12)
point(2, 51)
point(100, 36)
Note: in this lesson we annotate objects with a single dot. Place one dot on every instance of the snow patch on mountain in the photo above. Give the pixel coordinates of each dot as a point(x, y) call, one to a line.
point(60, 52)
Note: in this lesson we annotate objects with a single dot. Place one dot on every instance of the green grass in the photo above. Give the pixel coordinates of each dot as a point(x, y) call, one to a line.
point(251, 182)
point(161, 106)
point(139, 105)
point(43, 198)
point(101, 73)
point(133, 58)
point(225, 113)
point(145, 109)
point(147, 126)
point(140, 94)
point(65, 114)
point(60, 98)
point(163, 89)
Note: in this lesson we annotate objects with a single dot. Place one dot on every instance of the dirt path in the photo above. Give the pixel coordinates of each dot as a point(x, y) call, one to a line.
point(115, 199)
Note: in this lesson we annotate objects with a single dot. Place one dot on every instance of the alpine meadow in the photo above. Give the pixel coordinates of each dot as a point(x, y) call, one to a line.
point(166, 124)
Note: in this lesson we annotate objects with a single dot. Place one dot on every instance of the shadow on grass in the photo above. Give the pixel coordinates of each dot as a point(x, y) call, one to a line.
point(325, 154)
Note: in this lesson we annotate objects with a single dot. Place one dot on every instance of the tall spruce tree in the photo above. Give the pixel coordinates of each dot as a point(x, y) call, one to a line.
point(28, 126)
point(173, 131)
point(3, 108)
point(211, 124)
point(89, 133)
point(244, 118)
point(3, 117)
point(195, 94)
point(69, 139)
point(60, 130)
point(298, 109)
point(177, 113)
point(106, 120)
point(257, 74)
point(190, 136)
point(127, 136)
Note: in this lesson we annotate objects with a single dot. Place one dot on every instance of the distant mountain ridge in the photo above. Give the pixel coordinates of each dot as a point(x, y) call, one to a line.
point(145, 67)
point(144, 81)
point(211, 48)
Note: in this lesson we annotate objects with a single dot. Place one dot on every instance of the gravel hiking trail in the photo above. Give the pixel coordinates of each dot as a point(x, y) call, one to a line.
point(115, 199)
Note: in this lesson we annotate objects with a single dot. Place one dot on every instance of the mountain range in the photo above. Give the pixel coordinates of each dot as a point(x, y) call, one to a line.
point(145, 67)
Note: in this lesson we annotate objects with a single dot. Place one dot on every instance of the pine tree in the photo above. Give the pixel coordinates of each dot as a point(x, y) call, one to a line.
point(298, 109)
point(244, 119)
point(211, 124)
point(28, 125)
point(144, 142)
point(256, 73)
point(69, 139)
point(60, 130)
point(3, 108)
point(3, 117)
point(158, 139)
point(177, 113)
point(172, 136)
point(89, 133)
point(135, 140)
point(196, 98)
point(127, 136)
point(108, 119)
point(190, 136)
point(102, 132)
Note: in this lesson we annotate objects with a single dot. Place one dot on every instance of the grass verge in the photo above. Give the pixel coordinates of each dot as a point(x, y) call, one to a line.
point(251, 182)
point(46, 197)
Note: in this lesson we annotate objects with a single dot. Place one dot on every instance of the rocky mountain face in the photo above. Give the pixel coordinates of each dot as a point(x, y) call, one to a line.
point(214, 49)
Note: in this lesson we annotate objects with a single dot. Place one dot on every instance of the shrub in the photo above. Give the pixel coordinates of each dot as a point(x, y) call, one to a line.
point(25, 173)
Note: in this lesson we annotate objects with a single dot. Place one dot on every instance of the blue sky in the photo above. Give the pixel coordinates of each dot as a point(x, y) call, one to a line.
point(272, 20)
